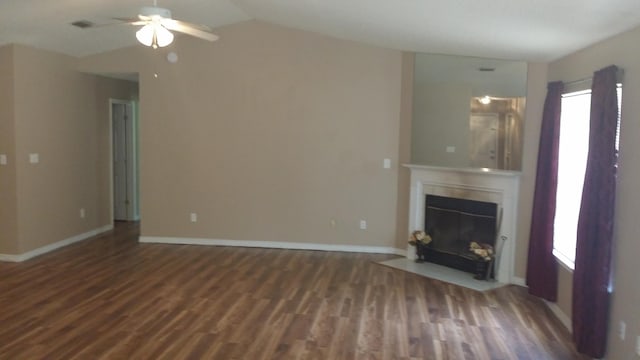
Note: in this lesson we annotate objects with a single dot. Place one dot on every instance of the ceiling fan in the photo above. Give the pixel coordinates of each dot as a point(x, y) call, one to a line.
point(157, 25)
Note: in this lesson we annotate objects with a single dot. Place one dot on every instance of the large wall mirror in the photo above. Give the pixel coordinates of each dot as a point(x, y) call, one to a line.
point(468, 112)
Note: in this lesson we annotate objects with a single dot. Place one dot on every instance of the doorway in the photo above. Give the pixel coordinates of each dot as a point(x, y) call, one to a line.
point(484, 140)
point(124, 160)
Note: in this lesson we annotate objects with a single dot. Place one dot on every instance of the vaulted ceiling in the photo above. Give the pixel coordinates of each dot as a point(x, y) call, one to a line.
point(539, 30)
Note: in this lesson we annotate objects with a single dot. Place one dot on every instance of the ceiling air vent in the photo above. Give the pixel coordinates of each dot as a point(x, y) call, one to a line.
point(82, 24)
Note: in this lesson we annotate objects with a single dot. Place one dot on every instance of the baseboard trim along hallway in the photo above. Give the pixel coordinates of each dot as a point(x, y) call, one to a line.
point(56, 245)
point(273, 245)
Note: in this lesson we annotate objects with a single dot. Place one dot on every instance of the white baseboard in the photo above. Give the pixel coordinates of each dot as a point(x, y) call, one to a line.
point(518, 281)
point(273, 245)
point(45, 249)
point(401, 252)
point(564, 319)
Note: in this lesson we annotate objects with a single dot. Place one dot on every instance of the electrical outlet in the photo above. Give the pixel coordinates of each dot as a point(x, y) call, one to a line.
point(82, 213)
point(386, 164)
point(332, 222)
point(3, 159)
point(363, 224)
point(34, 158)
point(622, 330)
point(194, 217)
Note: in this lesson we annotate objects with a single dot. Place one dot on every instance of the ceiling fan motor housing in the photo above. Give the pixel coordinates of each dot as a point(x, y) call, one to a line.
point(153, 11)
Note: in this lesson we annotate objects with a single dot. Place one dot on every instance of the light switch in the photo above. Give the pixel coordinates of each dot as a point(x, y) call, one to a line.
point(34, 158)
point(451, 149)
point(387, 163)
point(3, 159)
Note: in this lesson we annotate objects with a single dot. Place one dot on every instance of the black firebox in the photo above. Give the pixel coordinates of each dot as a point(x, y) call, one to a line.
point(453, 223)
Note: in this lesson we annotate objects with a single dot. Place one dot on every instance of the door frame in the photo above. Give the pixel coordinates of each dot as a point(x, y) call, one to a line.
point(509, 126)
point(132, 156)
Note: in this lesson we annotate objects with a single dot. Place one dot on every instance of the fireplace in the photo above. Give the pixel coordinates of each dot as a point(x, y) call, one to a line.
point(453, 225)
point(497, 187)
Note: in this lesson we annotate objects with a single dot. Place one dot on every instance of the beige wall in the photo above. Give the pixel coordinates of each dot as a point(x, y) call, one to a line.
point(8, 204)
point(565, 285)
point(69, 133)
point(621, 50)
point(404, 151)
point(536, 92)
point(267, 134)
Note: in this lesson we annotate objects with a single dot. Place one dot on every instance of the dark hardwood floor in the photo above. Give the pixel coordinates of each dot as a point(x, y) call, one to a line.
point(112, 298)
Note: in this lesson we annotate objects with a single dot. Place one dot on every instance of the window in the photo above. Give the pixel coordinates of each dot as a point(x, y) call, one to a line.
point(572, 162)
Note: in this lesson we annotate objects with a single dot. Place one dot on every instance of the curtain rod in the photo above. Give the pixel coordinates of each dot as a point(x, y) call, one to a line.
point(619, 76)
point(579, 81)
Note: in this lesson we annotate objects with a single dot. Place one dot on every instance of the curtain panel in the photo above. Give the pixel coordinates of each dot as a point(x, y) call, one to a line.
point(591, 277)
point(542, 268)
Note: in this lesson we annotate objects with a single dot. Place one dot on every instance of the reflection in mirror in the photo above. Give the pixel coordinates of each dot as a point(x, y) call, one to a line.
point(468, 112)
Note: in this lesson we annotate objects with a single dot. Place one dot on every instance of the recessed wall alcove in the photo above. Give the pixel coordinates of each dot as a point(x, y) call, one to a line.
point(493, 186)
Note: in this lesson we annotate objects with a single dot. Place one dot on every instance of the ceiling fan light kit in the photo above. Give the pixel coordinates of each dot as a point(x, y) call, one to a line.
point(154, 35)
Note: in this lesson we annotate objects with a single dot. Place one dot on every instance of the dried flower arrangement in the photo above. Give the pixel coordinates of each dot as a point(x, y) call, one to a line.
point(484, 251)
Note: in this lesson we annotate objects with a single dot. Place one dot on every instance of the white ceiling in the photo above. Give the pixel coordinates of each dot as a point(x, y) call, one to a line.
point(532, 30)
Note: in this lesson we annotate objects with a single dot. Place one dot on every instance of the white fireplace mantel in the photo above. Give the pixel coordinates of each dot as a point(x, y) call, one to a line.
point(496, 186)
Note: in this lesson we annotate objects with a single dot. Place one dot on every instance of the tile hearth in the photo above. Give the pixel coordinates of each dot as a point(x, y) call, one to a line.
point(442, 273)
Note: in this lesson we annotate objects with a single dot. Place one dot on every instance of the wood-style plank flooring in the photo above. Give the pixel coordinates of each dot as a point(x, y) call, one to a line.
point(113, 298)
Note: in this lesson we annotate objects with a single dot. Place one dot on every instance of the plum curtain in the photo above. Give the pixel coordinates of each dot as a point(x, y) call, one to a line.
point(542, 268)
point(591, 277)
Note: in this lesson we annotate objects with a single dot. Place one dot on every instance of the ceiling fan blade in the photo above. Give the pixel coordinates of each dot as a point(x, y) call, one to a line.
point(193, 25)
point(126, 19)
point(132, 21)
point(120, 21)
point(199, 31)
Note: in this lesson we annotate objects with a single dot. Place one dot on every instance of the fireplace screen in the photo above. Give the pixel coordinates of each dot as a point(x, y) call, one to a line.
point(454, 223)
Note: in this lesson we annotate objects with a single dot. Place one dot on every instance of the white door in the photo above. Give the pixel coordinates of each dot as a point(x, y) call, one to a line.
point(122, 164)
point(483, 146)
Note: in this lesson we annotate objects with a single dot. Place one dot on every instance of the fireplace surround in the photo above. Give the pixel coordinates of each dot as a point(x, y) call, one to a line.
point(491, 186)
